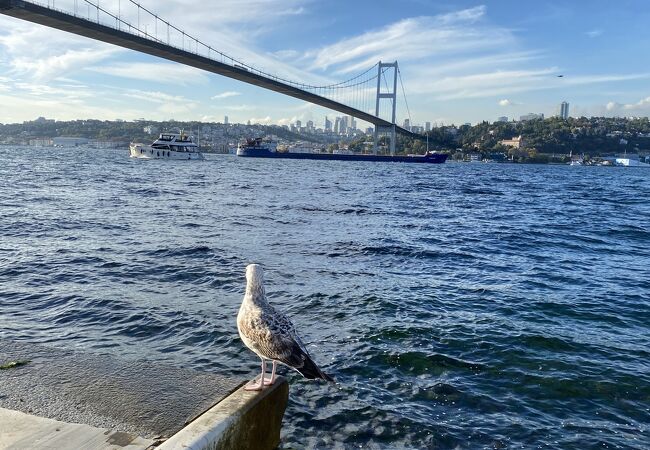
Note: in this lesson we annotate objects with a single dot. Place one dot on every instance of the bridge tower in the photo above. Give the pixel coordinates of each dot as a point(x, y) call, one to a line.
point(386, 95)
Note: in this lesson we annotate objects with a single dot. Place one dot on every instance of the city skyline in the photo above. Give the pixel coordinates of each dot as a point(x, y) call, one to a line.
point(463, 63)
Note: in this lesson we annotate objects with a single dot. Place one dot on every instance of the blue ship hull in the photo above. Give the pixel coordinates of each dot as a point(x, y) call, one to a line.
point(431, 158)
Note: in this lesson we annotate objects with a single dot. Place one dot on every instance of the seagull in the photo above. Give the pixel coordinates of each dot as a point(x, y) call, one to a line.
point(270, 334)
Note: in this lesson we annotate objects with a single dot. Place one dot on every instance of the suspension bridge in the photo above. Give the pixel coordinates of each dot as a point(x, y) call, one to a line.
point(128, 24)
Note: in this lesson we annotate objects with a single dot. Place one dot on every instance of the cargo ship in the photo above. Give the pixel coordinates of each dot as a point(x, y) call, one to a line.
point(258, 148)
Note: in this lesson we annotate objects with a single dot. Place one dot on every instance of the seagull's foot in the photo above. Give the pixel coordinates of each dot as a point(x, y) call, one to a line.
point(269, 381)
point(255, 385)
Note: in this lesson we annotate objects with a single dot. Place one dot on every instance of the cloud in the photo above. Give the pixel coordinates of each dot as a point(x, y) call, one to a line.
point(263, 121)
point(155, 97)
point(594, 33)
point(413, 38)
point(58, 65)
point(159, 72)
point(226, 94)
point(505, 102)
point(286, 54)
point(41, 54)
point(288, 121)
point(641, 105)
point(28, 108)
point(240, 108)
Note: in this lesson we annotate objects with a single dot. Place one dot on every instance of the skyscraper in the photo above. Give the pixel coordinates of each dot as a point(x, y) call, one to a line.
point(427, 126)
point(328, 125)
point(564, 110)
point(343, 127)
point(225, 120)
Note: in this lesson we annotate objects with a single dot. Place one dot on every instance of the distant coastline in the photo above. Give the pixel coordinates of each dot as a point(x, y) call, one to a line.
point(583, 141)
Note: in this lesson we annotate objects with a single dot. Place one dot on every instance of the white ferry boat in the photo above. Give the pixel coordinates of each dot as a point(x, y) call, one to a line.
point(167, 146)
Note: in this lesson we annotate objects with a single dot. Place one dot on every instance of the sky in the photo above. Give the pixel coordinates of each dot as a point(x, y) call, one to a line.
point(460, 61)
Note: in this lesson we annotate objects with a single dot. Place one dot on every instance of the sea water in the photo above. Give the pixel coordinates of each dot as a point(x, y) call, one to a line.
point(459, 306)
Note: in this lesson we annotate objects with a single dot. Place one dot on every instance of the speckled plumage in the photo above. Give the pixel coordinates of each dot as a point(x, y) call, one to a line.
point(268, 332)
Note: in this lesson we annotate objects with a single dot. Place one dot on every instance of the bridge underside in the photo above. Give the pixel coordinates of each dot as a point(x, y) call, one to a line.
point(82, 27)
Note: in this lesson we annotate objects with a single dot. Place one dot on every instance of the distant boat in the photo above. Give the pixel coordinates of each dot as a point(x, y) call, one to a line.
point(167, 146)
point(258, 148)
point(576, 160)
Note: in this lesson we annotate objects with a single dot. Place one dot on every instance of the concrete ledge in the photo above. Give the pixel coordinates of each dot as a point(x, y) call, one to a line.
point(243, 420)
point(64, 400)
point(20, 431)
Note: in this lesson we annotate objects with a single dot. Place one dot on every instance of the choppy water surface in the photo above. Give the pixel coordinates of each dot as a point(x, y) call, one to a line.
point(459, 306)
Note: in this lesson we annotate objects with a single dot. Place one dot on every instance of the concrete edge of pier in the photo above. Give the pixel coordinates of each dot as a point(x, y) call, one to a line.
point(243, 420)
point(22, 431)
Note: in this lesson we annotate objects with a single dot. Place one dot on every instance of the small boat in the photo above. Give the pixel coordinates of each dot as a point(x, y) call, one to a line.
point(167, 146)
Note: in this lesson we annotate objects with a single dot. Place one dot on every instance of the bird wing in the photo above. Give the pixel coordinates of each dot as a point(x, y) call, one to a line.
point(275, 338)
point(295, 353)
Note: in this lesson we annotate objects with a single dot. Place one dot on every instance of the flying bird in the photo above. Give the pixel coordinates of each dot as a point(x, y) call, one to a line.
point(270, 334)
point(560, 76)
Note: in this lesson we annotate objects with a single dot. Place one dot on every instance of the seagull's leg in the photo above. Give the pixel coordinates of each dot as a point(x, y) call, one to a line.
point(253, 386)
point(268, 382)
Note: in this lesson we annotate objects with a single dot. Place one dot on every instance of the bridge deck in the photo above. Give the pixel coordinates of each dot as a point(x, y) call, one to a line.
point(56, 19)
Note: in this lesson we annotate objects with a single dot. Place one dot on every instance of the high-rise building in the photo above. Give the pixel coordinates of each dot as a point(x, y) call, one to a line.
point(502, 119)
point(564, 110)
point(225, 120)
point(407, 124)
point(353, 123)
point(328, 125)
point(427, 126)
point(298, 124)
point(337, 125)
point(343, 126)
point(310, 125)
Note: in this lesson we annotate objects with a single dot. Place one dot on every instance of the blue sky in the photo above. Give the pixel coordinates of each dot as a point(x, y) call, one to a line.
point(461, 61)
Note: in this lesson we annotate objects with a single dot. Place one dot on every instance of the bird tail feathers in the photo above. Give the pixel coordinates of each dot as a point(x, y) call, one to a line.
point(311, 371)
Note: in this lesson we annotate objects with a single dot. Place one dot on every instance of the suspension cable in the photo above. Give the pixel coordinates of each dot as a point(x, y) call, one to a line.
point(404, 94)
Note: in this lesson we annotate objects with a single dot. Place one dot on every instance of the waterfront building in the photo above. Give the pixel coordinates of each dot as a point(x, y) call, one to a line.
point(515, 142)
point(64, 141)
point(40, 142)
point(564, 110)
point(225, 120)
point(328, 125)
